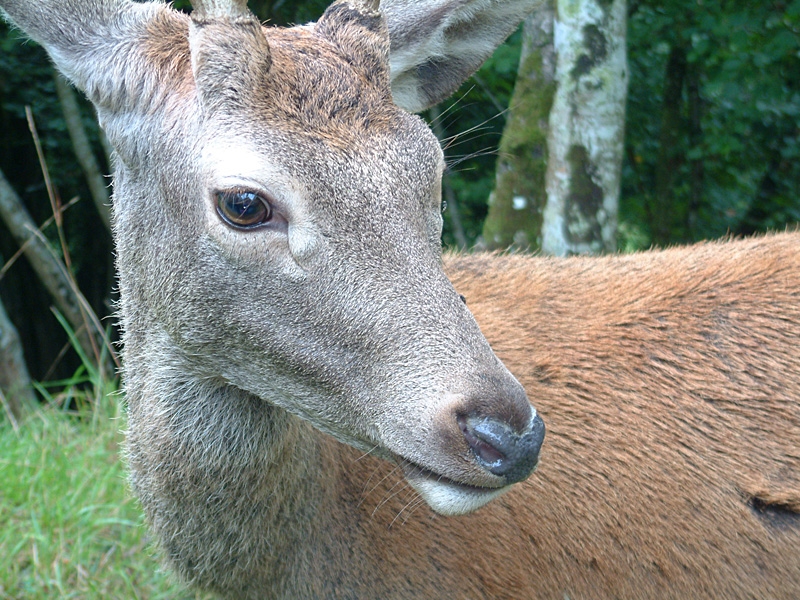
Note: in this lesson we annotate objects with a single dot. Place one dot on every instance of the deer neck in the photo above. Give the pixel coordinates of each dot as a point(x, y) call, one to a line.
point(225, 478)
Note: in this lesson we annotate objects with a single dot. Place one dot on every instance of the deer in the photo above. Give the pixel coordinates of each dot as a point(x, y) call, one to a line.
point(320, 402)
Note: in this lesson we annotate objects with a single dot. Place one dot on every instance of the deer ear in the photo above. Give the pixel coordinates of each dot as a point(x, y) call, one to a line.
point(359, 30)
point(106, 49)
point(436, 46)
point(230, 53)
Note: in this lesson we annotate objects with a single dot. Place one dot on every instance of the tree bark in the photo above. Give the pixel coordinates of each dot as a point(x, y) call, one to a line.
point(696, 185)
point(83, 149)
point(15, 382)
point(518, 200)
point(585, 141)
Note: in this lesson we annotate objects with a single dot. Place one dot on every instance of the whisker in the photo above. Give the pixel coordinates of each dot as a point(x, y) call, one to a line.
point(365, 454)
point(364, 492)
point(477, 127)
point(451, 165)
point(390, 496)
point(413, 500)
point(375, 487)
point(451, 108)
point(493, 139)
point(469, 135)
point(419, 502)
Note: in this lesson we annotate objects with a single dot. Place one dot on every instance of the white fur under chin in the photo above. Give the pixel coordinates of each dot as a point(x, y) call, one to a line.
point(451, 499)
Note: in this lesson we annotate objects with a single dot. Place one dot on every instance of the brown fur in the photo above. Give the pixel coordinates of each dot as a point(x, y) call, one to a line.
point(670, 383)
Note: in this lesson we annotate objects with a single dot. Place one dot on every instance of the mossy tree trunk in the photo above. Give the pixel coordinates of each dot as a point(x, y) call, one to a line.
point(560, 163)
point(16, 391)
point(586, 128)
point(518, 200)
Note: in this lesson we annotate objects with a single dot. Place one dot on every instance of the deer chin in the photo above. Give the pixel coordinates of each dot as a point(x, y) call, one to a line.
point(443, 495)
point(446, 496)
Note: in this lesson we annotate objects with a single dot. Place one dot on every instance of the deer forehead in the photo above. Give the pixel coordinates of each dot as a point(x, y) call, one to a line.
point(380, 168)
point(318, 115)
point(398, 169)
point(314, 90)
point(234, 161)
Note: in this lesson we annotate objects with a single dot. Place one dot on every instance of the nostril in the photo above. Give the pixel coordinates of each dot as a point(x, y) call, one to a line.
point(501, 450)
point(489, 455)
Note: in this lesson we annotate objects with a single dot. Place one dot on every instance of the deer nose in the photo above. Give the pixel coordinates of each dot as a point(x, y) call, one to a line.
point(501, 450)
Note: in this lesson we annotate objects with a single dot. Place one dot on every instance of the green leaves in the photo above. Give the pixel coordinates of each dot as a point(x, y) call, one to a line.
point(737, 133)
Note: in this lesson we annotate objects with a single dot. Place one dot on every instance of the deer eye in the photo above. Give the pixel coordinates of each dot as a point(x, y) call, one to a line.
point(243, 209)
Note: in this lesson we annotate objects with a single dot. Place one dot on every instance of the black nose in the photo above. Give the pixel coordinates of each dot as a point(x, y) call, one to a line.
point(501, 450)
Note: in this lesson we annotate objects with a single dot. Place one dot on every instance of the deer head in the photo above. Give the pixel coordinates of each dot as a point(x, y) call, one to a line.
point(278, 220)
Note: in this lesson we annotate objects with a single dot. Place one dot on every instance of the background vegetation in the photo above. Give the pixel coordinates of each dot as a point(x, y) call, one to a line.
point(712, 147)
point(68, 526)
point(713, 120)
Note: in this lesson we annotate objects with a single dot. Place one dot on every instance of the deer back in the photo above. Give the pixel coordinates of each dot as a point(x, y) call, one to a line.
point(670, 383)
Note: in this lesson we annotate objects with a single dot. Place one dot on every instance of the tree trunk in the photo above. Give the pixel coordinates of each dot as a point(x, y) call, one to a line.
point(696, 185)
point(518, 199)
point(16, 391)
point(585, 141)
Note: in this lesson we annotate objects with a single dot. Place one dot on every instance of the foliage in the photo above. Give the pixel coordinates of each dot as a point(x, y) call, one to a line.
point(737, 139)
point(69, 527)
point(26, 79)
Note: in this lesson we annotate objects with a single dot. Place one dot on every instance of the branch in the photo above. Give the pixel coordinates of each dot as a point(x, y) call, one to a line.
point(48, 267)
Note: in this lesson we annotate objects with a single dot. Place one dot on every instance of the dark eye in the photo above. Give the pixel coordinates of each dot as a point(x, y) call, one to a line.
point(243, 209)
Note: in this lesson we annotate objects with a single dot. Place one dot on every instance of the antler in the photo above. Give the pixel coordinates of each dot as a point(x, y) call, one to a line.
point(370, 5)
point(215, 9)
point(230, 53)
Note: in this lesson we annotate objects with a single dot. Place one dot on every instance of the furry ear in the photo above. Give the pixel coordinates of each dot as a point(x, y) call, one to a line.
point(104, 48)
point(230, 53)
point(359, 31)
point(438, 44)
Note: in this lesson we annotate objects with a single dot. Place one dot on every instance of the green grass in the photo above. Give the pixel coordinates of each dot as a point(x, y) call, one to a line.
point(69, 527)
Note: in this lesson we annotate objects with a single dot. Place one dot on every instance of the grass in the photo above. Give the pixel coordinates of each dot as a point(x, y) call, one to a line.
point(69, 527)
